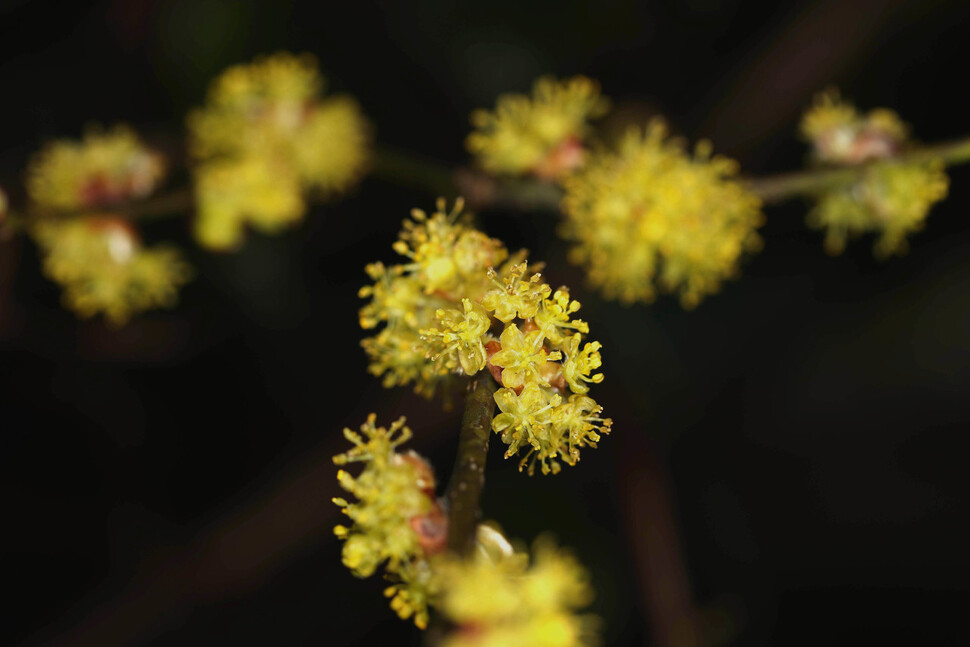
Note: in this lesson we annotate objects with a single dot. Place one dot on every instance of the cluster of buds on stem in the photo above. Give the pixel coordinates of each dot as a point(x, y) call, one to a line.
point(79, 192)
point(891, 198)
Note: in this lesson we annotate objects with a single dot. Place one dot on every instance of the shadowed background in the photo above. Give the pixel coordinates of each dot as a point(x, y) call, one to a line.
point(788, 460)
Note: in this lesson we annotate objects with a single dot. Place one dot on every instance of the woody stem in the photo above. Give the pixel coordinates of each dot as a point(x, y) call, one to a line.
point(468, 478)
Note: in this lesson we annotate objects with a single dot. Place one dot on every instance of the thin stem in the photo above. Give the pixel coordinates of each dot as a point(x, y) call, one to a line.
point(777, 188)
point(468, 478)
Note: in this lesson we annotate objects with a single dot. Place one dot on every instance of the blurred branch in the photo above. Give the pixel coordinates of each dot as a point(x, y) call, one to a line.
point(483, 191)
point(777, 188)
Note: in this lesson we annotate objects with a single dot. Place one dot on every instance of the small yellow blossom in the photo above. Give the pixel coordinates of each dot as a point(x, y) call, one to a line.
point(892, 200)
point(461, 334)
point(396, 520)
point(522, 356)
point(268, 120)
point(452, 310)
point(579, 364)
point(840, 134)
point(542, 134)
point(515, 297)
point(100, 262)
point(231, 193)
point(650, 214)
point(506, 601)
point(447, 262)
point(103, 169)
point(554, 317)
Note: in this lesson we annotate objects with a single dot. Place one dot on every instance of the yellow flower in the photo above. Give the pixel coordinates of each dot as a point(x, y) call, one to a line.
point(526, 418)
point(268, 122)
point(333, 150)
point(102, 266)
point(448, 255)
point(103, 169)
point(542, 134)
point(522, 356)
point(554, 316)
point(396, 520)
point(506, 601)
point(447, 263)
point(651, 215)
point(515, 297)
point(840, 134)
point(579, 364)
point(892, 200)
point(462, 334)
point(449, 311)
point(231, 193)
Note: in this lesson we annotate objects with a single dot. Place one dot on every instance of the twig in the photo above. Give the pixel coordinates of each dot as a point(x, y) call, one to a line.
point(468, 478)
point(776, 188)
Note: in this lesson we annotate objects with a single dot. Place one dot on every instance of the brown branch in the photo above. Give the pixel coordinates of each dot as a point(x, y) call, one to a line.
point(468, 478)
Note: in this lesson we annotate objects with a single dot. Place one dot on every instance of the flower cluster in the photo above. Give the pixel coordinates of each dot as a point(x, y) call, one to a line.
point(96, 255)
point(503, 600)
point(265, 137)
point(101, 170)
point(103, 267)
point(540, 135)
point(396, 518)
point(839, 134)
point(891, 198)
point(461, 305)
point(650, 213)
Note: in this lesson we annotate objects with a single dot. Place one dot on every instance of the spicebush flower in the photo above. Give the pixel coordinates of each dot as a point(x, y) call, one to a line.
point(396, 520)
point(231, 193)
point(541, 134)
point(649, 215)
point(266, 137)
point(459, 305)
point(103, 267)
point(840, 134)
point(508, 601)
point(105, 168)
point(891, 200)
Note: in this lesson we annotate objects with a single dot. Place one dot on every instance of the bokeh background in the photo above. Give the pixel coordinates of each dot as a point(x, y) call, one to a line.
point(788, 462)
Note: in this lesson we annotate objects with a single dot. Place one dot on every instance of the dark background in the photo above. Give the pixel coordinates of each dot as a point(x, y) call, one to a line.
point(788, 459)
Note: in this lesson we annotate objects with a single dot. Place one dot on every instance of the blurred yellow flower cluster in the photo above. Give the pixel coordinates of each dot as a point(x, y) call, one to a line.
point(542, 135)
point(840, 134)
point(449, 312)
point(266, 137)
point(96, 255)
point(396, 519)
point(101, 170)
point(503, 600)
point(891, 198)
point(652, 215)
point(100, 262)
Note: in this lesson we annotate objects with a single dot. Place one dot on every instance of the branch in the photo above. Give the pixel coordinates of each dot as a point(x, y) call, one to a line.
point(777, 188)
point(521, 194)
point(468, 478)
